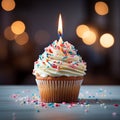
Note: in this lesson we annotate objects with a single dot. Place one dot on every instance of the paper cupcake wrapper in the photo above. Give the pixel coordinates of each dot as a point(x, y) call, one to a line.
point(59, 90)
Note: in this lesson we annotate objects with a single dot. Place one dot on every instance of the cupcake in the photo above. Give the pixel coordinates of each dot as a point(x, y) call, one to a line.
point(59, 72)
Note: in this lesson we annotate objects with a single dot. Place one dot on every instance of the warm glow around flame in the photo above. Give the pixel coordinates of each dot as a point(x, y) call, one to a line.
point(60, 27)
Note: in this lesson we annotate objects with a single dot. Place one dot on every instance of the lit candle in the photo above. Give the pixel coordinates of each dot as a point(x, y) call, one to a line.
point(60, 29)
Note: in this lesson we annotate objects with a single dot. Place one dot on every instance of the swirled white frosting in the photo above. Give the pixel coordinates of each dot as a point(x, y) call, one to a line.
point(60, 59)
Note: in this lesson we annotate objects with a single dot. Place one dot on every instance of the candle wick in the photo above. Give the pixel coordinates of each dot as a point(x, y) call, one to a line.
point(60, 34)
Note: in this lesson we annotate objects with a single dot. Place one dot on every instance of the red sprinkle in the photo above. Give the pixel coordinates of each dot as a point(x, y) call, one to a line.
point(61, 45)
point(50, 51)
point(56, 104)
point(116, 105)
point(43, 104)
point(54, 66)
point(54, 61)
point(72, 66)
point(14, 96)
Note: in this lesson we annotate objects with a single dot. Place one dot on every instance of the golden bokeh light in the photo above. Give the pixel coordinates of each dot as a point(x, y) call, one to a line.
point(81, 29)
point(106, 40)
point(8, 5)
point(8, 34)
point(22, 39)
point(18, 27)
point(101, 8)
point(89, 37)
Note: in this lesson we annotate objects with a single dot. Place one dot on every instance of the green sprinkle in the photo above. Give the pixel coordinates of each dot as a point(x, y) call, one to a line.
point(40, 56)
point(64, 58)
point(70, 53)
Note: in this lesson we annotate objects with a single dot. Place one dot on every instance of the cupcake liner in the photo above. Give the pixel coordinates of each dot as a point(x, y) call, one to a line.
point(59, 90)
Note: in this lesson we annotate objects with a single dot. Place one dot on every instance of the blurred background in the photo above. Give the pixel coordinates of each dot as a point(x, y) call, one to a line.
point(27, 27)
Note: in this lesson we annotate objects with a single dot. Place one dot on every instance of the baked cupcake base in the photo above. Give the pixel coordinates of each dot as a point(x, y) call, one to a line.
point(59, 89)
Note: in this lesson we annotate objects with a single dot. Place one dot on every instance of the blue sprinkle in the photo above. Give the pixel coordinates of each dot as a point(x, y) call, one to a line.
point(89, 96)
point(50, 104)
point(96, 99)
point(38, 110)
point(49, 63)
point(38, 65)
point(86, 103)
point(47, 54)
point(36, 103)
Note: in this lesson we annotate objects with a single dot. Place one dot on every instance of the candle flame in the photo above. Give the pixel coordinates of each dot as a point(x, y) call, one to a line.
point(60, 29)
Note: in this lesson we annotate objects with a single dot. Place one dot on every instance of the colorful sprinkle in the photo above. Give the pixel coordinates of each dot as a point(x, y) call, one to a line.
point(84, 103)
point(63, 103)
point(50, 51)
point(115, 105)
point(54, 66)
point(69, 106)
point(56, 104)
point(43, 104)
point(64, 58)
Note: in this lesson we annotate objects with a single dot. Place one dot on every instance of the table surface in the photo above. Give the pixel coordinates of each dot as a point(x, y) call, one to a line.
point(96, 103)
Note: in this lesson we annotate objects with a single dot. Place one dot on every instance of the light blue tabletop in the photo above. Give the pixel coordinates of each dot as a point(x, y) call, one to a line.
point(96, 103)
